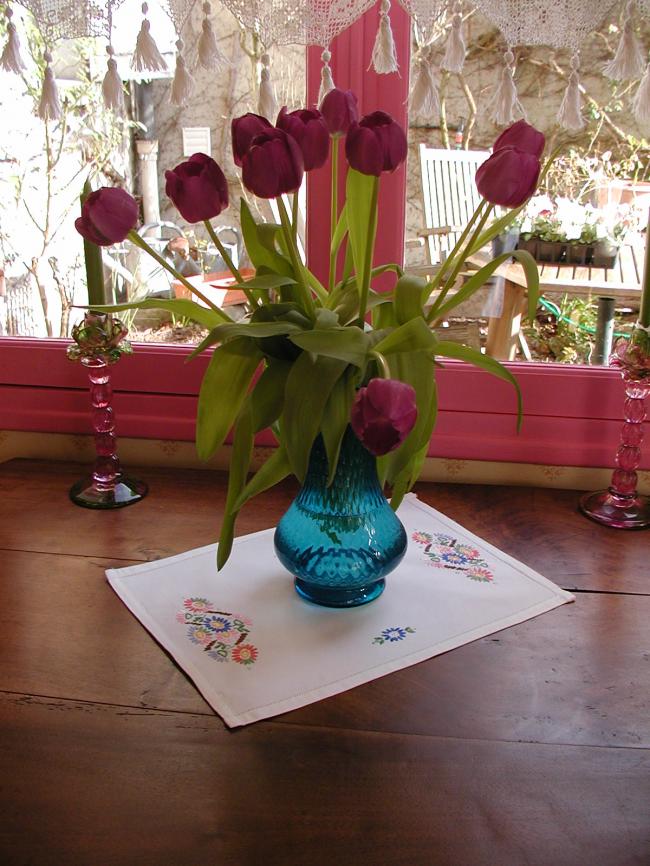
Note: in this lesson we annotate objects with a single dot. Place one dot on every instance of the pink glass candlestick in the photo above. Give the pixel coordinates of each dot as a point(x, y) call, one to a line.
point(99, 343)
point(621, 506)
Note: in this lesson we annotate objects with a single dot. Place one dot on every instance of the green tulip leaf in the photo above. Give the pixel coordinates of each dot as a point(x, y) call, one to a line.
point(413, 336)
point(336, 418)
point(270, 473)
point(267, 397)
point(409, 292)
point(407, 477)
point(260, 251)
point(359, 188)
point(223, 391)
point(339, 231)
point(182, 307)
point(308, 387)
point(266, 281)
point(325, 319)
point(418, 370)
point(345, 344)
point(242, 450)
point(477, 280)
point(485, 362)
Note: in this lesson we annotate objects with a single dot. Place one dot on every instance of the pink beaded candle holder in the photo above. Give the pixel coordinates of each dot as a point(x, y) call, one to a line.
point(621, 506)
point(99, 343)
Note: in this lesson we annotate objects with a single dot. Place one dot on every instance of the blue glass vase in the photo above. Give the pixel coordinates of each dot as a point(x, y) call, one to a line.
point(340, 541)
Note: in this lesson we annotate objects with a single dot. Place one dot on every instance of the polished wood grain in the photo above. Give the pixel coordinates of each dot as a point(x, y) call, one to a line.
point(530, 747)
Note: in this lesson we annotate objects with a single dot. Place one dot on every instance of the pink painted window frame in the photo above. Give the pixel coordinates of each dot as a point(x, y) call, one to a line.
point(572, 414)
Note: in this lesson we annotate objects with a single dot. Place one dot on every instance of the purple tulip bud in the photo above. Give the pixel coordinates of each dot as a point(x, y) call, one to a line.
point(198, 188)
point(376, 144)
point(383, 414)
point(273, 164)
point(309, 129)
point(523, 136)
point(509, 177)
point(339, 108)
point(107, 216)
point(244, 129)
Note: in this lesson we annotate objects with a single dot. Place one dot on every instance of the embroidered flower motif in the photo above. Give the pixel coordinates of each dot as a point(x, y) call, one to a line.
point(217, 624)
point(244, 654)
point(452, 557)
point(421, 537)
point(445, 551)
point(393, 634)
point(200, 635)
point(220, 634)
point(196, 605)
point(483, 575)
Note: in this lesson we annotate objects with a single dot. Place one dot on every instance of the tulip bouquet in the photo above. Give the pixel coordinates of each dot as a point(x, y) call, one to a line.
point(313, 357)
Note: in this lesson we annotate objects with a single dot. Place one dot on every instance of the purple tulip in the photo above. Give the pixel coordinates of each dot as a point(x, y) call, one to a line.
point(339, 108)
point(376, 144)
point(523, 136)
point(309, 129)
point(198, 188)
point(273, 164)
point(244, 129)
point(383, 414)
point(107, 216)
point(509, 177)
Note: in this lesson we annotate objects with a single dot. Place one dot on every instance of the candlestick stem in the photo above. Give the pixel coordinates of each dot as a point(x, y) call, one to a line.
point(107, 487)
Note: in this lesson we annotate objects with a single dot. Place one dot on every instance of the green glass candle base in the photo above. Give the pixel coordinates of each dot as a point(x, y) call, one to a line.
point(124, 492)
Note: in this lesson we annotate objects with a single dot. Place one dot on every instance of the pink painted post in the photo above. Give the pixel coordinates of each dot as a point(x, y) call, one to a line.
point(351, 53)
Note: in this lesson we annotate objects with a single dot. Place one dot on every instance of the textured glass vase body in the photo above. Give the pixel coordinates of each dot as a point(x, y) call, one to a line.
point(340, 541)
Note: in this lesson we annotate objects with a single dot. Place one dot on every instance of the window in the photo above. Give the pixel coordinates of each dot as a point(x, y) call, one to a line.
point(572, 414)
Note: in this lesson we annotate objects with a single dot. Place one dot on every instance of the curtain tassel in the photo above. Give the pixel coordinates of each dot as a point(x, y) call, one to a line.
point(112, 89)
point(628, 62)
point(570, 115)
point(11, 61)
point(210, 57)
point(147, 57)
point(424, 96)
point(455, 51)
point(49, 107)
point(642, 99)
point(326, 80)
point(267, 105)
point(384, 59)
point(183, 82)
point(506, 101)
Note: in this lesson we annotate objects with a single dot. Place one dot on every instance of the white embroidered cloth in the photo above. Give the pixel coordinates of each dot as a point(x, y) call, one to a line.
point(255, 649)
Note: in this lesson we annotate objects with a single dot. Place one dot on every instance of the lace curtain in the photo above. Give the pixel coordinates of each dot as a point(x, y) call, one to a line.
point(561, 24)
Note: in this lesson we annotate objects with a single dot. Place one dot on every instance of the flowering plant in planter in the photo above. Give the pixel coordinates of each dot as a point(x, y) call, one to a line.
point(315, 357)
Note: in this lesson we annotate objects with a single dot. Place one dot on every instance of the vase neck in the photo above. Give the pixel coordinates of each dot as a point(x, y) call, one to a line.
point(356, 471)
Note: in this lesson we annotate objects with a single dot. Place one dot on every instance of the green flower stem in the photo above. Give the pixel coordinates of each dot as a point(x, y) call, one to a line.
point(294, 216)
point(382, 363)
point(460, 242)
point(298, 268)
point(223, 251)
point(334, 214)
point(454, 255)
point(230, 264)
point(449, 282)
point(644, 313)
point(370, 246)
point(135, 238)
point(93, 263)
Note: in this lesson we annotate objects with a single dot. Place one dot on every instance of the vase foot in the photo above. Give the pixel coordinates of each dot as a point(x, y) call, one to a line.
point(125, 492)
point(619, 512)
point(329, 596)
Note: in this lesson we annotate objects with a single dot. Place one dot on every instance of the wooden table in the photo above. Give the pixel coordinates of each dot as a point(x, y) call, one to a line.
point(530, 747)
point(621, 283)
